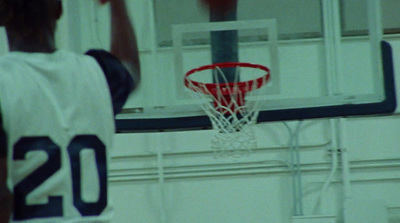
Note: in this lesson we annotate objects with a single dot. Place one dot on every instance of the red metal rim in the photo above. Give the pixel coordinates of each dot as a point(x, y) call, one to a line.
point(212, 87)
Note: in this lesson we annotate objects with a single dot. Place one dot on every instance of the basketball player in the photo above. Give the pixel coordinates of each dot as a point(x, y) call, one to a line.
point(57, 112)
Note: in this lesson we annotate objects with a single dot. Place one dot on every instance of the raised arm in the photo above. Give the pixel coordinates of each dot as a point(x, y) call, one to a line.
point(123, 38)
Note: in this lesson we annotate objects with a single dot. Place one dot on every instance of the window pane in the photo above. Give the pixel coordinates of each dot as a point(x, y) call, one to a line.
point(296, 19)
point(354, 15)
point(391, 16)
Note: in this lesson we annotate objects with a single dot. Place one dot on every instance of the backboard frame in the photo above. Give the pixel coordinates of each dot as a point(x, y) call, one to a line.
point(385, 106)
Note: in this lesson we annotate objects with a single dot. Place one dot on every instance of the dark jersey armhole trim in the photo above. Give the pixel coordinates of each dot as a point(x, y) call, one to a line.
point(3, 140)
point(119, 80)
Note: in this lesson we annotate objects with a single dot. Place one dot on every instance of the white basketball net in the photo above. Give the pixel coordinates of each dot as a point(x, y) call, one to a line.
point(231, 116)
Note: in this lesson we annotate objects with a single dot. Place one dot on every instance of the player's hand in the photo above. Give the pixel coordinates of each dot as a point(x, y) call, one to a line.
point(220, 5)
point(119, 2)
point(105, 1)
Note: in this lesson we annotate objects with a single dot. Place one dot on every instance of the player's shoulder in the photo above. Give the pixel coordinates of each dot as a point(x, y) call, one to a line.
point(8, 59)
point(70, 59)
point(9, 63)
point(20, 58)
point(68, 55)
point(102, 56)
point(110, 64)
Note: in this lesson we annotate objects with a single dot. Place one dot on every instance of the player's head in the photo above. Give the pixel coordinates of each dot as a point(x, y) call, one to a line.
point(30, 18)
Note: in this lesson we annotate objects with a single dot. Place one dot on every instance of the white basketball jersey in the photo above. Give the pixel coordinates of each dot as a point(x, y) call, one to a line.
point(57, 114)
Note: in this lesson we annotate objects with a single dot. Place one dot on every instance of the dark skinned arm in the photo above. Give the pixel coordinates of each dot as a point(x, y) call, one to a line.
point(123, 38)
point(6, 198)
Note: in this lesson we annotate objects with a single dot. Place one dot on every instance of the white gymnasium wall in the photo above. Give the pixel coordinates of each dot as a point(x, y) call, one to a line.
point(172, 177)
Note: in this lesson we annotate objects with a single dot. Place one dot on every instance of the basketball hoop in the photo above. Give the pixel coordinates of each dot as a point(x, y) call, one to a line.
point(231, 115)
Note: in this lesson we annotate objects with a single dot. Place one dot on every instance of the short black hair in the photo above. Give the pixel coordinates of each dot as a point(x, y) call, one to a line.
point(28, 17)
